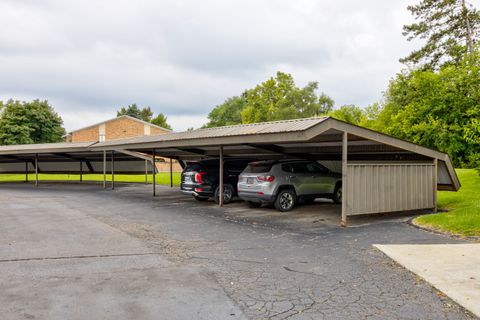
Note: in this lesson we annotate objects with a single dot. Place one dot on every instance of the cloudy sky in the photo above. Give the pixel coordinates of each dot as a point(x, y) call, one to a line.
point(182, 58)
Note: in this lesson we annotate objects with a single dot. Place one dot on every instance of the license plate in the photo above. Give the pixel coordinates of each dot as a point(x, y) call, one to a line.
point(249, 180)
point(188, 179)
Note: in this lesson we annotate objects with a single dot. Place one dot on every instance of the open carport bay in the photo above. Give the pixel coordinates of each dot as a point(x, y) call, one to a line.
point(74, 251)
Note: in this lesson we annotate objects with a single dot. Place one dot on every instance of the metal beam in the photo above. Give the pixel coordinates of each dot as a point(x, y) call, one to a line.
point(113, 169)
point(343, 222)
point(434, 184)
point(220, 185)
point(280, 150)
point(146, 171)
point(26, 171)
point(171, 173)
point(154, 171)
point(135, 154)
point(89, 166)
point(193, 150)
point(104, 170)
point(36, 171)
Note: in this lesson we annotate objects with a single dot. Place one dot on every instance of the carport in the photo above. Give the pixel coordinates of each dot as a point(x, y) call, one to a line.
point(72, 158)
point(380, 173)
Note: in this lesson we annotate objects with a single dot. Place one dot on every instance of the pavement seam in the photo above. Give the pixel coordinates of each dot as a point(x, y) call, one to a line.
point(80, 257)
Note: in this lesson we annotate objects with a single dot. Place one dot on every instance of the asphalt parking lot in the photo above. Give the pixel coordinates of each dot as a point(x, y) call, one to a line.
point(70, 251)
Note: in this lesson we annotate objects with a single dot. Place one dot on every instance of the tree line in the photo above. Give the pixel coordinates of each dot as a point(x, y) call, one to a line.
point(434, 101)
point(27, 122)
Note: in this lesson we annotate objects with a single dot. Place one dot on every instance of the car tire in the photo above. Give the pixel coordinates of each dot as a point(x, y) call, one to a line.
point(337, 194)
point(252, 204)
point(198, 198)
point(286, 200)
point(228, 194)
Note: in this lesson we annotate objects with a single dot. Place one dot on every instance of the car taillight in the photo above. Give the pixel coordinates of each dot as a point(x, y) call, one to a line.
point(199, 177)
point(266, 178)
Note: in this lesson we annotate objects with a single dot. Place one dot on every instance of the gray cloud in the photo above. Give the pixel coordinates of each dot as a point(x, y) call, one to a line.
point(184, 57)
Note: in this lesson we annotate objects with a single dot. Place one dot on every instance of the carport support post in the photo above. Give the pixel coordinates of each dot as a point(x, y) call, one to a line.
point(26, 171)
point(146, 171)
point(435, 173)
point(104, 170)
point(220, 184)
point(154, 171)
point(171, 174)
point(81, 171)
point(343, 222)
point(113, 170)
point(36, 171)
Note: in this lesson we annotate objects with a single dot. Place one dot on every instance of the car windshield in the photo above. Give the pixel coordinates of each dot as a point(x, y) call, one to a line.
point(259, 167)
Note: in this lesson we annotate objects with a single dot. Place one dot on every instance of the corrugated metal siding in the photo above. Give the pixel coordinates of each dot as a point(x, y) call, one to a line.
point(375, 188)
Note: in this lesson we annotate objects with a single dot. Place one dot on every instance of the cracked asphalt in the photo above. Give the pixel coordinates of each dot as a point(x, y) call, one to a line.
point(278, 268)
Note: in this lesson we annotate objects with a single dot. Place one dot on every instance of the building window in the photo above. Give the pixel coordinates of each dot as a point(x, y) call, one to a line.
point(101, 138)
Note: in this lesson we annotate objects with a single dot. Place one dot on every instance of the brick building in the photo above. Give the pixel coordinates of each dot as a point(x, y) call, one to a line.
point(120, 128)
point(116, 128)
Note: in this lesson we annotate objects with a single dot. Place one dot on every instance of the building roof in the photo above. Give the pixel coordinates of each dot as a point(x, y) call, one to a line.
point(116, 118)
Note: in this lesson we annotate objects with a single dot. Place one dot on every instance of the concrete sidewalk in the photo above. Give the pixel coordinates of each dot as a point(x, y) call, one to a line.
point(453, 269)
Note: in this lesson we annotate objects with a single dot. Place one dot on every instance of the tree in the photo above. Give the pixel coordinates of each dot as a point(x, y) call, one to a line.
point(437, 109)
point(450, 28)
point(325, 103)
point(29, 122)
point(146, 114)
point(277, 98)
point(349, 113)
point(227, 113)
point(133, 110)
point(161, 121)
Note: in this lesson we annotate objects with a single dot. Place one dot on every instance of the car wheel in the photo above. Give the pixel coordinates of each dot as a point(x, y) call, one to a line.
point(337, 194)
point(227, 194)
point(285, 200)
point(198, 198)
point(252, 204)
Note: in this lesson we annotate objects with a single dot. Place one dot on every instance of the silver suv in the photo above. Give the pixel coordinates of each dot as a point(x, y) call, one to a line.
point(286, 182)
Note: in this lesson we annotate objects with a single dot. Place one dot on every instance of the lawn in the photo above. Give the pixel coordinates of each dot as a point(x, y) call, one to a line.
point(160, 178)
point(463, 216)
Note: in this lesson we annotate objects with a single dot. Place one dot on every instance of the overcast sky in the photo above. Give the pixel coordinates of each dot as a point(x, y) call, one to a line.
point(182, 58)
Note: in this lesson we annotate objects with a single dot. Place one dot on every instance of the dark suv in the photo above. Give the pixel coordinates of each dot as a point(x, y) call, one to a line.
point(201, 178)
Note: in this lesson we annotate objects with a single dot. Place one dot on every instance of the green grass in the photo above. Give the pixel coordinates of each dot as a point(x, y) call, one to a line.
point(463, 216)
point(161, 178)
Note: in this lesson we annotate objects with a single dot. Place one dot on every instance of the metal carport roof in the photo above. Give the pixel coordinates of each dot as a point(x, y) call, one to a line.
point(313, 138)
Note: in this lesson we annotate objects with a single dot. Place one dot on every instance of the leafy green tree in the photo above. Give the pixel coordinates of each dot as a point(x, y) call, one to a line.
point(437, 109)
point(450, 28)
point(279, 99)
point(29, 122)
point(161, 120)
point(349, 113)
point(133, 110)
point(146, 114)
point(326, 104)
point(227, 113)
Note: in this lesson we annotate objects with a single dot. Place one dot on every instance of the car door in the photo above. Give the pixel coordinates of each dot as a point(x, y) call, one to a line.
point(321, 180)
point(296, 175)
